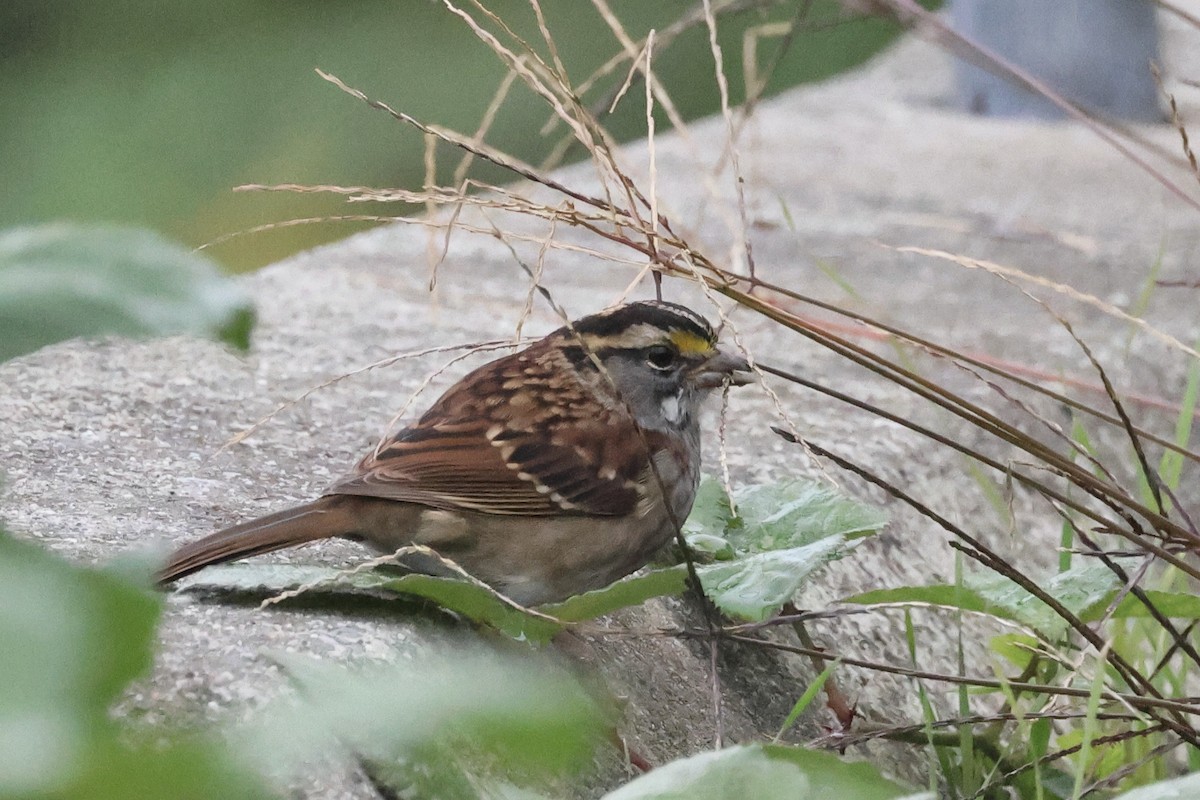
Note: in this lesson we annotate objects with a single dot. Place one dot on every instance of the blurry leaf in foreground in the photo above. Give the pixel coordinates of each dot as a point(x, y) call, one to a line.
point(524, 711)
point(73, 638)
point(763, 772)
point(60, 281)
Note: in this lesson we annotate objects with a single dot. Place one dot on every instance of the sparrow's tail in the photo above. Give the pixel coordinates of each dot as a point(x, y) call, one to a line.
point(325, 518)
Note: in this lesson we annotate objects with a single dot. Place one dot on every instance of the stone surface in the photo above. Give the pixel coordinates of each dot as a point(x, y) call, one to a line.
point(115, 445)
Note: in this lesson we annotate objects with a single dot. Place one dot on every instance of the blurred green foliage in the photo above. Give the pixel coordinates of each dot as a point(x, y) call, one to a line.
point(60, 280)
point(72, 640)
point(148, 112)
point(763, 772)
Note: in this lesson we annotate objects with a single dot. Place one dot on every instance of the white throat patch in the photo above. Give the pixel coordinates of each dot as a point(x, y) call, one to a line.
point(672, 411)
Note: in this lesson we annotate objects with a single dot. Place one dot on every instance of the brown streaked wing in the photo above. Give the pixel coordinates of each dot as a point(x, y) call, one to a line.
point(470, 453)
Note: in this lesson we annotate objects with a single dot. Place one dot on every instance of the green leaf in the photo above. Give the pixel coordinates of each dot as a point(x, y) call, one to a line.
point(1084, 590)
point(267, 579)
point(631, 591)
point(1078, 589)
point(797, 513)
point(1018, 648)
point(810, 693)
point(476, 603)
point(711, 511)
point(938, 594)
point(1176, 605)
point(755, 586)
point(182, 768)
point(72, 639)
point(523, 710)
point(781, 533)
point(60, 281)
point(762, 772)
point(1184, 788)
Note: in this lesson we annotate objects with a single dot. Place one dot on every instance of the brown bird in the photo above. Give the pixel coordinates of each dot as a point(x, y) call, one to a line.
point(545, 473)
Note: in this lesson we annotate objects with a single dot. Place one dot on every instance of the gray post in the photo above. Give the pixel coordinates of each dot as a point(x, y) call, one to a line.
point(1095, 52)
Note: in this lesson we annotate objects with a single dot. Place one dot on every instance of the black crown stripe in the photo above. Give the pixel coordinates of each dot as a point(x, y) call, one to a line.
point(667, 316)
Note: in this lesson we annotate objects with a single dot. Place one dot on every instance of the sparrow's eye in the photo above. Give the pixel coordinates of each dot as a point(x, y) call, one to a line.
point(660, 357)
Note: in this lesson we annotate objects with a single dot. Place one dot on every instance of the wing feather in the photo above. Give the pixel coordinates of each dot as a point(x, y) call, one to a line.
point(472, 453)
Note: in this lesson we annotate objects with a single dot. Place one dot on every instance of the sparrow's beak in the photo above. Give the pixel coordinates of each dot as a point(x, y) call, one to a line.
point(724, 365)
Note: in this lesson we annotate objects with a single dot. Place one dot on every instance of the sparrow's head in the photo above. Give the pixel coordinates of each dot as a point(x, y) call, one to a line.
point(662, 358)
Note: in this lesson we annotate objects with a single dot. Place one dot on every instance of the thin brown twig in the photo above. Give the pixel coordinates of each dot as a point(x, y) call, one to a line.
point(976, 549)
point(1177, 705)
point(731, 148)
point(1178, 11)
point(980, 418)
point(1177, 120)
point(910, 14)
point(472, 348)
point(1005, 778)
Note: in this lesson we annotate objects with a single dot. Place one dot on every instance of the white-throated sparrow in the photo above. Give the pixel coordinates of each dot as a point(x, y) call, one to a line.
point(545, 473)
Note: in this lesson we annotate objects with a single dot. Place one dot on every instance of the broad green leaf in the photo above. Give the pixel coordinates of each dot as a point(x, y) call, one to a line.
point(1084, 590)
point(763, 772)
point(82, 633)
point(476, 603)
point(267, 579)
point(631, 591)
point(1018, 648)
point(525, 711)
point(1176, 605)
point(1184, 788)
point(1078, 589)
point(938, 594)
point(711, 511)
point(775, 516)
point(754, 587)
point(715, 547)
point(781, 533)
point(59, 281)
point(180, 769)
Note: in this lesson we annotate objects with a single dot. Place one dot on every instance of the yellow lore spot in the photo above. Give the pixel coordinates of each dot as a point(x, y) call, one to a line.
point(689, 343)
